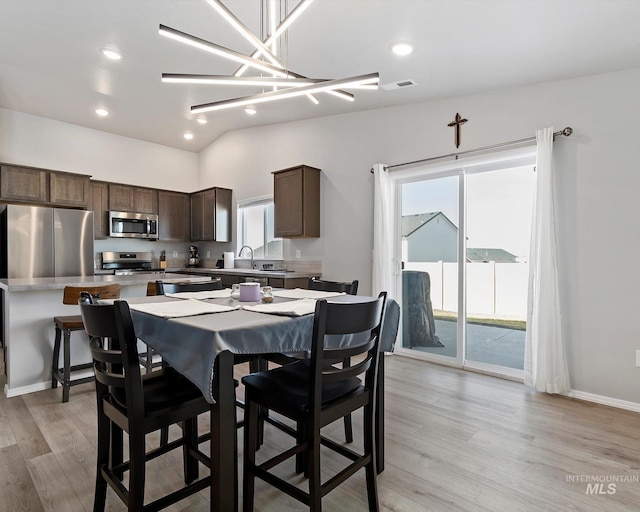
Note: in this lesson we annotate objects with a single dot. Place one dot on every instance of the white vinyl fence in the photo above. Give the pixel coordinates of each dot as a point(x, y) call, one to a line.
point(494, 290)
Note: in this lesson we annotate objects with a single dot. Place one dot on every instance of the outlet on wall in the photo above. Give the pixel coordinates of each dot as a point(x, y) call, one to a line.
point(298, 253)
point(208, 254)
point(175, 254)
point(638, 358)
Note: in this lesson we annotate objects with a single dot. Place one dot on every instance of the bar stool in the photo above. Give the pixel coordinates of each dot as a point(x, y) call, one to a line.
point(67, 324)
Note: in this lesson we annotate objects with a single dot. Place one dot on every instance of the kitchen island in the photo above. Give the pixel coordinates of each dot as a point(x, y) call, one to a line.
point(28, 307)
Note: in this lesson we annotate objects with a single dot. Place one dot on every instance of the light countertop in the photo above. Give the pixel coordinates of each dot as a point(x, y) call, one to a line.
point(282, 274)
point(58, 283)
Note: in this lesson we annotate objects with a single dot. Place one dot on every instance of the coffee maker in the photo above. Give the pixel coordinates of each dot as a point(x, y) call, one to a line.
point(194, 259)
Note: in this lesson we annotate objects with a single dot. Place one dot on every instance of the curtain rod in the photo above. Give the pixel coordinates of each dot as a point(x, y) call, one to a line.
point(566, 132)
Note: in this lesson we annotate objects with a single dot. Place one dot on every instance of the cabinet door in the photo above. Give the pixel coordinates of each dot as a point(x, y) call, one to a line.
point(121, 198)
point(223, 215)
point(296, 201)
point(145, 200)
point(196, 216)
point(68, 189)
point(173, 216)
point(208, 215)
point(99, 204)
point(23, 184)
point(287, 202)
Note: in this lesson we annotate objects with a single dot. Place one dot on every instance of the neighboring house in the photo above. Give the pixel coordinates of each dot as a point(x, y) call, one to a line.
point(433, 237)
point(429, 237)
point(482, 255)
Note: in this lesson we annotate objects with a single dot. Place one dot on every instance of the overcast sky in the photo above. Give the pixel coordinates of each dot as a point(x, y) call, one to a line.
point(499, 206)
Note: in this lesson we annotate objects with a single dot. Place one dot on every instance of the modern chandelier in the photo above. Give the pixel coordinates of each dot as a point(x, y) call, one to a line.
point(265, 61)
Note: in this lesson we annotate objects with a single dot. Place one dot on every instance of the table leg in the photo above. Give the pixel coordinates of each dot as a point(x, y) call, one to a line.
point(224, 441)
point(379, 420)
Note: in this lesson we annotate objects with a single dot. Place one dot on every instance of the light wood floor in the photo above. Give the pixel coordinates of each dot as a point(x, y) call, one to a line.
point(456, 441)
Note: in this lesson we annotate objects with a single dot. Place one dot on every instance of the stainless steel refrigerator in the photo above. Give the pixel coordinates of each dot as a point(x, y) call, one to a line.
point(45, 242)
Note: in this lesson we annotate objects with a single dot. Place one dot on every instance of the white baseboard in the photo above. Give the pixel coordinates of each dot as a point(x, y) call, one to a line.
point(604, 400)
point(578, 395)
point(23, 390)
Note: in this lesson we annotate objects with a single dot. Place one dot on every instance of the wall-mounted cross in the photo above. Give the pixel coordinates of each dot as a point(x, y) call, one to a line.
point(457, 122)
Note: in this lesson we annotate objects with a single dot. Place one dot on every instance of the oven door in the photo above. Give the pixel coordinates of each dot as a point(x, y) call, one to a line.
point(133, 225)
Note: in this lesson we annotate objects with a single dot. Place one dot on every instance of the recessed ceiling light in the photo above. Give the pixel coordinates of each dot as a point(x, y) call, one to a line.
point(201, 120)
point(111, 54)
point(251, 111)
point(402, 48)
point(188, 136)
point(102, 112)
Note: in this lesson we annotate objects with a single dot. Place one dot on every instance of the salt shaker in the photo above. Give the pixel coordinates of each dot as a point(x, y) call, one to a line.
point(267, 294)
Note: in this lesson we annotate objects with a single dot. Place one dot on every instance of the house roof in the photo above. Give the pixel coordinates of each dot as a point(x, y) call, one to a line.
point(411, 223)
point(481, 254)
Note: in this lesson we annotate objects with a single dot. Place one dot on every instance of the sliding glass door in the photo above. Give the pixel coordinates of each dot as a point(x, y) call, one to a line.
point(429, 230)
point(463, 238)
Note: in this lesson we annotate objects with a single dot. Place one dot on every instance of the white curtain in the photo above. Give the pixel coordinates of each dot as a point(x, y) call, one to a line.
point(545, 364)
point(383, 278)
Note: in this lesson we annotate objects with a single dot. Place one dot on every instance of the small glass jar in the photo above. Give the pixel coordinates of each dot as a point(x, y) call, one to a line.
point(235, 291)
point(267, 294)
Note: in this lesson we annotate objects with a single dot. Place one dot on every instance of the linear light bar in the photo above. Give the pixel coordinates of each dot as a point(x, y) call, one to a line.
point(221, 51)
point(330, 85)
point(284, 25)
point(244, 31)
point(258, 81)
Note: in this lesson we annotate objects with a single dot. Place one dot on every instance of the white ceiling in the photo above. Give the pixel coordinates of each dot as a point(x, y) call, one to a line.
point(51, 66)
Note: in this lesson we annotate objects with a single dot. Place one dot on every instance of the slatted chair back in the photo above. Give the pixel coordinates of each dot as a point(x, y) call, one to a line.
point(71, 294)
point(202, 286)
point(350, 288)
point(115, 355)
point(361, 319)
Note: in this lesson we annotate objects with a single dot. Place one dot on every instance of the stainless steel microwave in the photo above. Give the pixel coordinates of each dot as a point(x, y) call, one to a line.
point(133, 225)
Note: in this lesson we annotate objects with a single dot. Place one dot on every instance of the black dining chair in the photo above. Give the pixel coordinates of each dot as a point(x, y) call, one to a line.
point(350, 288)
point(199, 286)
point(315, 392)
point(137, 404)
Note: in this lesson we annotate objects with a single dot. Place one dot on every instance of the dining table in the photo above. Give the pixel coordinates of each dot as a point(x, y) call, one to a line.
point(203, 334)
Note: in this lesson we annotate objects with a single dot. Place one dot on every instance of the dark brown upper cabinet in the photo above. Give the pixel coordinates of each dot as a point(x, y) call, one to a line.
point(173, 216)
point(211, 215)
point(69, 189)
point(127, 198)
point(296, 199)
point(42, 186)
point(99, 205)
point(24, 184)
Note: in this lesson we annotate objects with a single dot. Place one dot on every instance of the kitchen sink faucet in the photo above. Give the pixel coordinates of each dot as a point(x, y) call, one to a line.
point(247, 247)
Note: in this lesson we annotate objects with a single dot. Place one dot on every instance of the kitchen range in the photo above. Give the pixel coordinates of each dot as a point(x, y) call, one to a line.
point(127, 263)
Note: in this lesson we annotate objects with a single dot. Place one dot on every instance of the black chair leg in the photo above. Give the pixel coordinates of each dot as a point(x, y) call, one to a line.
point(55, 367)
point(100, 495)
point(348, 426)
point(250, 442)
point(190, 433)
point(164, 436)
point(136, 471)
point(348, 429)
point(371, 469)
point(313, 469)
point(66, 383)
point(117, 448)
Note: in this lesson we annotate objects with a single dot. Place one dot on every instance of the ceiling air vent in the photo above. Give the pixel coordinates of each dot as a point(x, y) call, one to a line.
point(400, 84)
